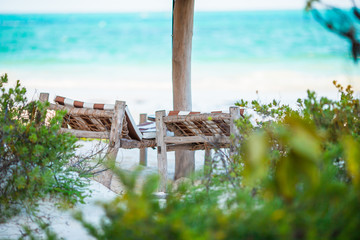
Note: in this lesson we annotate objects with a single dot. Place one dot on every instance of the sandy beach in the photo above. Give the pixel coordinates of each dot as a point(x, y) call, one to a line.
point(62, 221)
point(148, 88)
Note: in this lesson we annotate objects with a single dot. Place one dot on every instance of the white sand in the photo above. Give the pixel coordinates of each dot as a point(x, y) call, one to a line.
point(62, 222)
point(148, 88)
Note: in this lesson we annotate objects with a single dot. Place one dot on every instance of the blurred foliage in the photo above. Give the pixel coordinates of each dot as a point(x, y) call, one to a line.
point(33, 155)
point(342, 22)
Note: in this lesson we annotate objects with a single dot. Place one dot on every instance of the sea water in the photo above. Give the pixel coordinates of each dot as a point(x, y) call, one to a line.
point(146, 38)
point(127, 56)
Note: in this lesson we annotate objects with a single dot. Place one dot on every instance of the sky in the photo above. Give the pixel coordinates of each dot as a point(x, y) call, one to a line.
point(80, 6)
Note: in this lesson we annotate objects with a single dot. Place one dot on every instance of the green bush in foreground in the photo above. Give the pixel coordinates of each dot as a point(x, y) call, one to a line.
point(295, 177)
point(33, 155)
point(301, 199)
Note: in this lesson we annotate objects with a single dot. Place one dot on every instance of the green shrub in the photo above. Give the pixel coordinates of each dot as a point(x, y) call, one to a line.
point(332, 119)
point(294, 177)
point(33, 154)
point(303, 199)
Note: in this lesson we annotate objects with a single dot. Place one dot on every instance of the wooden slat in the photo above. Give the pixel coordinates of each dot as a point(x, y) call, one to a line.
point(83, 111)
point(143, 151)
point(114, 140)
point(86, 134)
point(44, 97)
point(197, 139)
point(197, 117)
point(195, 147)
point(207, 162)
point(145, 143)
point(116, 127)
point(161, 149)
point(235, 114)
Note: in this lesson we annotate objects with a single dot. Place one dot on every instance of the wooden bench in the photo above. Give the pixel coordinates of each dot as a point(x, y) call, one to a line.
point(192, 131)
point(101, 121)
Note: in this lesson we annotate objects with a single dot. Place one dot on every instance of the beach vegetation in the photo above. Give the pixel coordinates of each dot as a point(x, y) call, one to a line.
point(34, 156)
point(296, 175)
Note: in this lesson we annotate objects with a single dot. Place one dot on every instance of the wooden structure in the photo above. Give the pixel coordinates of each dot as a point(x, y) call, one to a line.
point(183, 21)
point(199, 131)
point(143, 151)
point(115, 124)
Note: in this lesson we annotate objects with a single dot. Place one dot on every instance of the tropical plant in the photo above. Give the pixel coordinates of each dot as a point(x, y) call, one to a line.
point(33, 154)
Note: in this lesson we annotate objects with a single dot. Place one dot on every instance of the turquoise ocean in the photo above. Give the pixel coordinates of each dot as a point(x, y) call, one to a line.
point(277, 53)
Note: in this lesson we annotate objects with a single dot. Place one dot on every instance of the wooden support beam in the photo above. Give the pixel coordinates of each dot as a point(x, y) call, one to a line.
point(181, 59)
point(183, 20)
point(84, 111)
point(143, 151)
point(199, 139)
point(44, 97)
point(197, 117)
point(207, 162)
point(130, 143)
point(114, 141)
point(234, 115)
point(161, 148)
point(86, 134)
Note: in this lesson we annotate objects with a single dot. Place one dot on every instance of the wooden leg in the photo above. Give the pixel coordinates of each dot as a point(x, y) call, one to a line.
point(184, 163)
point(234, 115)
point(44, 97)
point(161, 149)
point(114, 142)
point(207, 162)
point(143, 151)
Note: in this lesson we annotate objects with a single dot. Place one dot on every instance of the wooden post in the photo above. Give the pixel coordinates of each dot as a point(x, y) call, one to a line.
point(114, 141)
point(44, 97)
point(161, 149)
point(234, 115)
point(183, 19)
point(143, 151)
point(207, 162)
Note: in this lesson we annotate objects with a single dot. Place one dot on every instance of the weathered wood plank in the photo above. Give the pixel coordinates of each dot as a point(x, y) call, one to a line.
point(86, 134)
point(145, 143)
point(143, 151)
point(194, 147)
point(197, 117)
point(235, 114)
point(114, 140)
point(183, 21)
point(161, 149)
point(207, 162)
point(199, 139)
point(83, 111)
point(44, 97)
point(181, 53)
